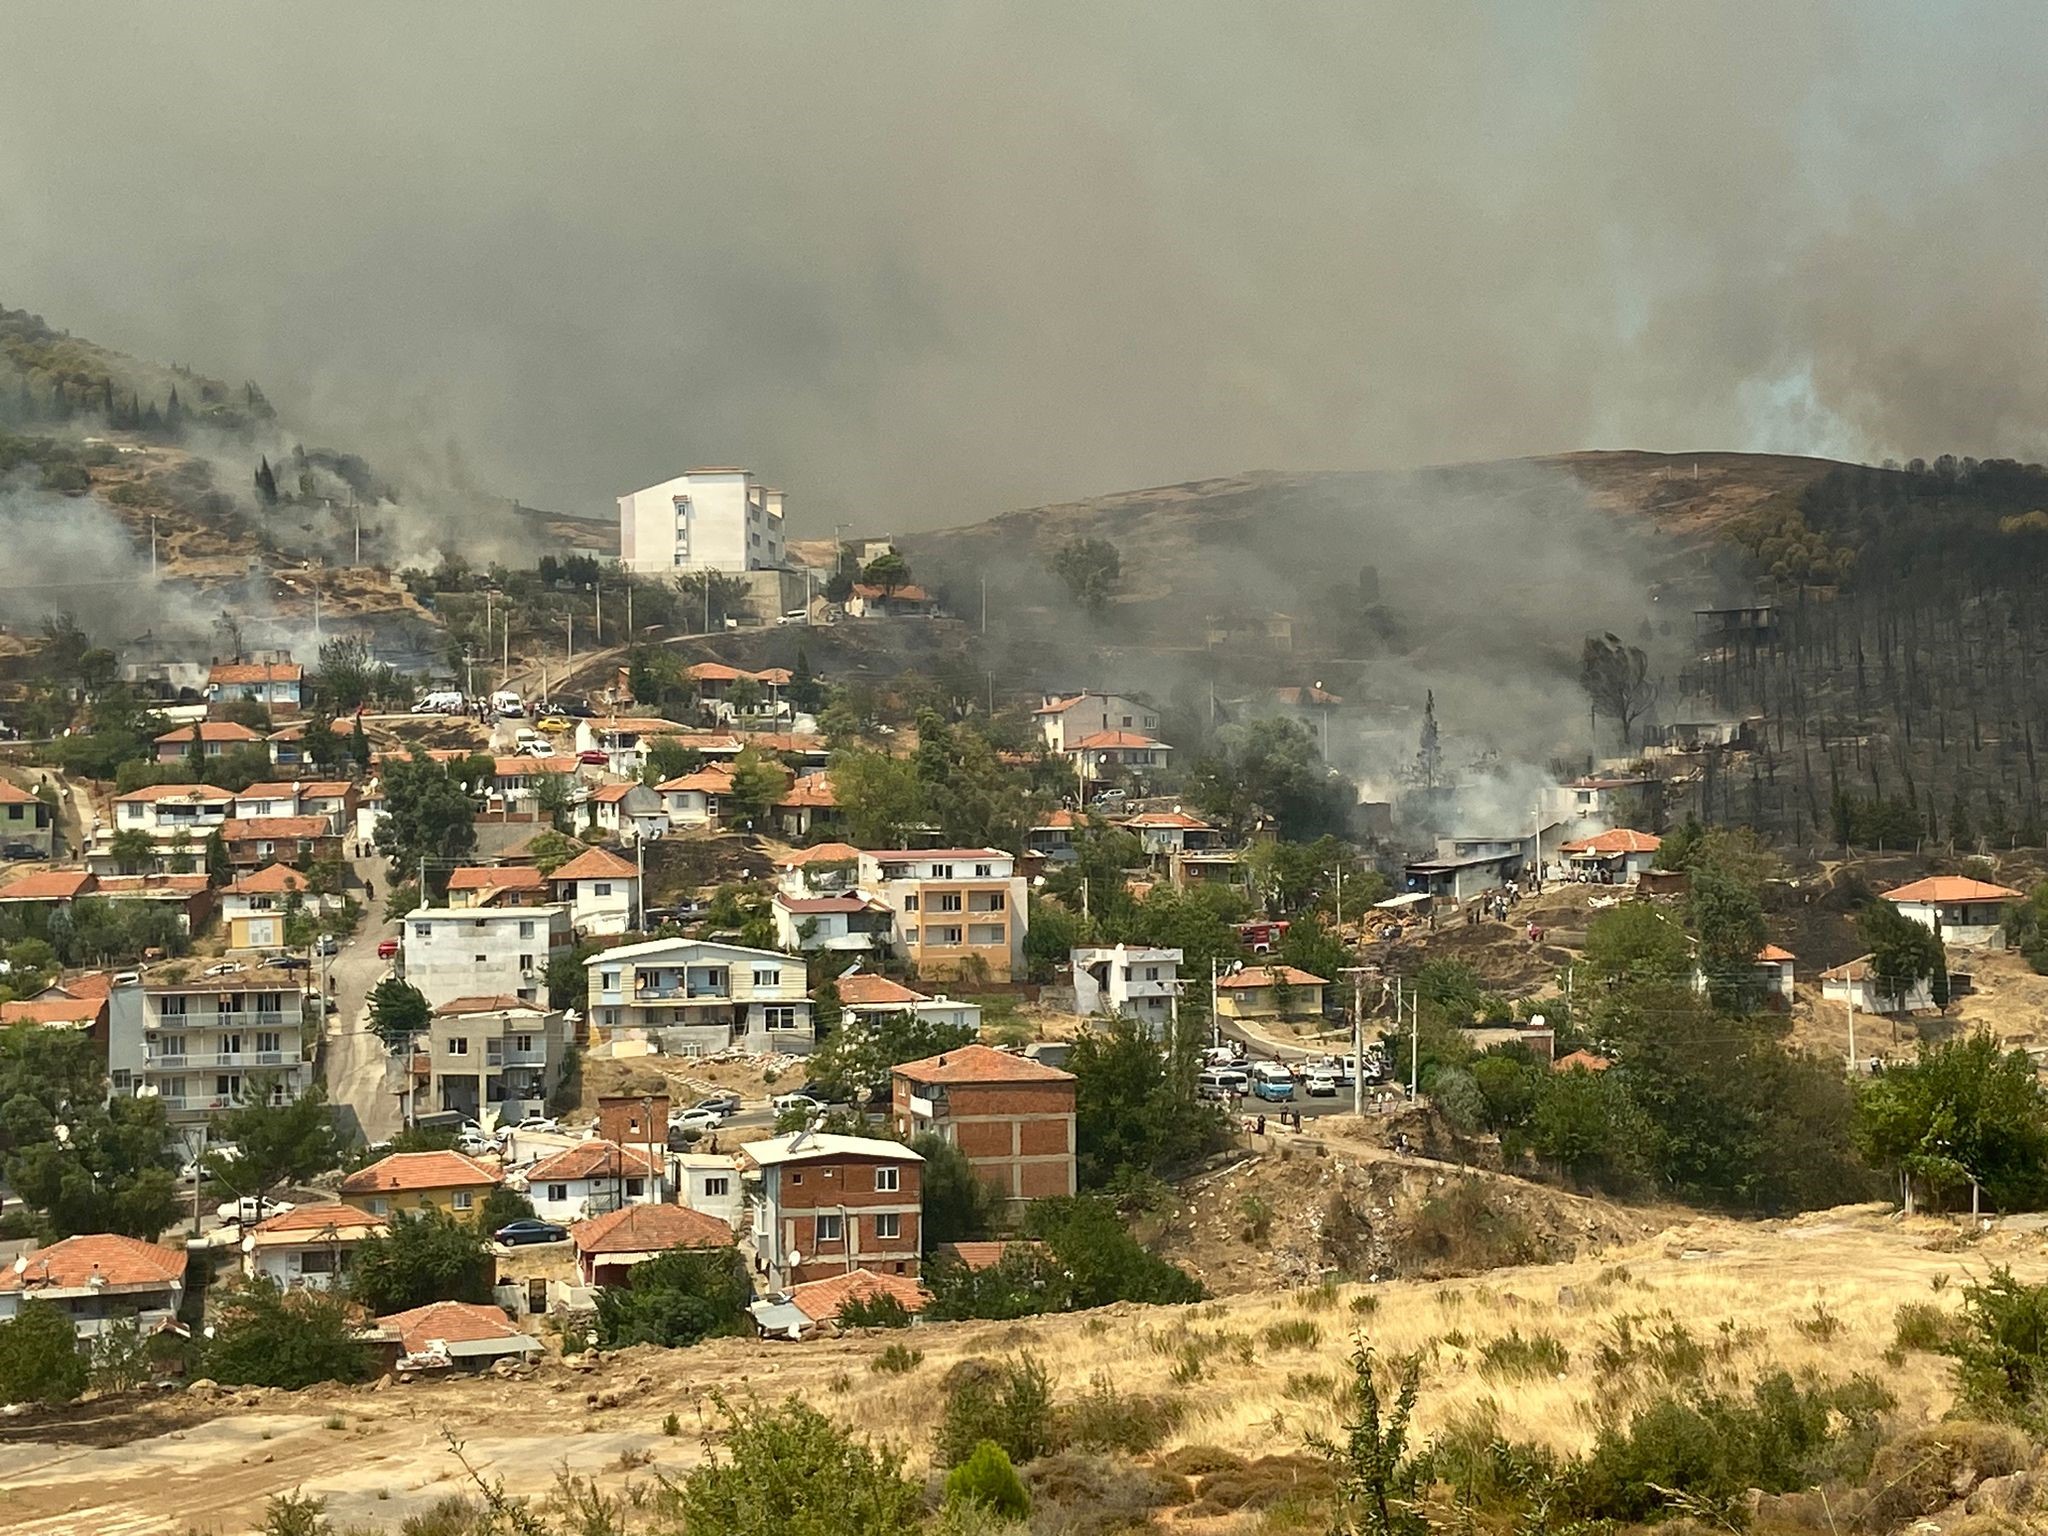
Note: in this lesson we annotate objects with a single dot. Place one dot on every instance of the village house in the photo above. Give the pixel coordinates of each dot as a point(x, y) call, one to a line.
point(254, 906)
point(695, 799)
point(287, 745)
point(1012, 1117)
point(334, 799)
point(1465, 867)
point(1618, 857)
point(307, 1248)
point(591, 1178)
point(609, 1245)
point(1604, 799)
point(844, 924)
point(707, 519)
point(496, 1053)
point(206, 1041)
point(516, 780)
point(709, 1182)
point(452, 1335)
point(1209, 866)
point(1968, 914)
point(45, 890)
point(253, 841)
point(826, 1205)
point(1064, 719)
point(1053, 838)
point(865, 997)
point(274, 684)
point(696, 998)
point(80, 1004)
point(1255, 993)
point(1106, 754)
point(1855, 983)
point(177, 818)
point(626, 739)
point(1133, 983)
point(908, 601)
point(630, 812)
point(1166, 833)
point(824, 869)
point(27, 829)
point(97, 1281)
point(809, 805)
point(601, 891)
point(633, 1119)
point(450, 952)
point(497, 885)
point(957, 910)
point(817, 1304)
point(404, 1182)
point(189, 898)
point(204, 738)
point(1774, 972)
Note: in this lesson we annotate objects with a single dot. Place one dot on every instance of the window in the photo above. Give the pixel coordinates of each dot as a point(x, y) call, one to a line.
point(831, 1227)
point(636, 1189)
point(949, 901)
point(716, 1189)
point(1127, 722)
point(942, 871)
point(172, 1007)
point(887, 1178)
point(779, 1018)
point(380, 1207)
point(483, 959)
point(464, 1199)
point(458, 1045)
point(944, 937)
point(910, 935)
point(1151, 973)
point(601, 888)
point(910, 902)
point(888, 1224)
point(318, 1261)
point(767, 976)
point(558, 1192)
point(608, 981)
point(228, 1085)
point(268, 1040)
point(423, 930)
point(522, 1042)
point(983, 871)
point(526, 929)
point(525, 962)
point(170, 1045)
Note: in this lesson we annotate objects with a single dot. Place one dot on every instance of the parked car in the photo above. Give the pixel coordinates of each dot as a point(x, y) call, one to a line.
point(697, 1120)
point(475, 1144)
point(1109, 796)
point(530, 1229)
point(785, 1102)
point(542, 1123)
point(288, 963)
point(720, 1104)
point(1321, 1083)
point(224, 968)
point(593, 757)
point(327, 944)
point(21, 851)
point(795, 616)
point(1221, 1082)
point(251, 1209)
point(387, 949)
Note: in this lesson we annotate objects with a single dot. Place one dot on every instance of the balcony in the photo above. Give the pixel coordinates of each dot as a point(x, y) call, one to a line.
point(515, 1058)
point(250, 1059)
point(234, 1018)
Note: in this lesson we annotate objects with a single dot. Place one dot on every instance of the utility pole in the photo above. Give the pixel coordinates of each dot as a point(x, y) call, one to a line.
point(1851, 994)
point(506, 663)
point(152, 546)
point(1215, 1024)
point(316, 613)
point(1358, 1040)
point(1340, 896)
point(569, 620)
point(629, 609)
point(984, 602)
point(640, 883)
point(1414, 1046)
point(598, 588)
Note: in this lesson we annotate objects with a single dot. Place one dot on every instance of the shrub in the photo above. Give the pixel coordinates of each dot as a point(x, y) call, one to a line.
point(987, 1478)
point(1009, 1403)
point(1294, 1333)
point(1257, 1218)
point(897, 1360)
point(1080, 1493)
point(1462, 1231)
point(1270, 1481)
point(1928, 1469)
point(1924, 1326)
point(789, 1468)
point(39, 1358)
point(877, 1311)
point(265, 1337)
point(2000, 1339)
point(1103, 1419)
point(1514, 1356)
point(1662, 1345)
point(685, 1295)
point(1821, 1325)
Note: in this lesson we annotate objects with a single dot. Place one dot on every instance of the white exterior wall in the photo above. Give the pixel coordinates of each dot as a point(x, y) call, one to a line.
point(482, 951)
point(567, 1200)
point(1095, 712)
point(605, 906)
point(202, 1060)
point(727, 522)
point(706, 989)
point(286, 1264)
point(1967, 925)
point(1919, 999)
point(710, 1185)
point(92, 1314)
point(1137, 983)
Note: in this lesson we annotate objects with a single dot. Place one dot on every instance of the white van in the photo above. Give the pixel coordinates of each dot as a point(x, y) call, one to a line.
point(506, 705)
point(442, 701)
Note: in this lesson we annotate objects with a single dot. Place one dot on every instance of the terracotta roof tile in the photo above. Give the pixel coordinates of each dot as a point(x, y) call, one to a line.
point(650, 1229)
point(53, 1010)
point(499, 877)
point(595, 864)
point(72, 1263)
point(270, 880)
point(49, 885)
point(863, 990)
point(821, 853)
point(822, 1300)
point(256, 672)
point(211, 730)
point(984, 1255)
point(13, 794)
point(591, 1159)
point(452, 1322)
point(403, 1171)
point(247, 829)
point(1262, 976)
point(458, 1007)
point(1952, 888)
point(154, 792)
point(981, 1064)
point(329, 1216)
point(1109, 740)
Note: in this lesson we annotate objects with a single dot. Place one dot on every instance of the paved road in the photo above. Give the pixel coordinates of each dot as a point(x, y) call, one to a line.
point(360, 1079)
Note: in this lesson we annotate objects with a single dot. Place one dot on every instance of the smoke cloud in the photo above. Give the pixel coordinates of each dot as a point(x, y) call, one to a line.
point(917, 263)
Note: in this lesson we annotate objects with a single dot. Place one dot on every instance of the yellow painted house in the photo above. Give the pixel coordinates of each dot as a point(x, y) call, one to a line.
point(1250, 993)
point(255, 906)
point(415, 1181)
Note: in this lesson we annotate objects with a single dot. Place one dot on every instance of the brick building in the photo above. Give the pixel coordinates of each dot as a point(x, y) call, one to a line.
point(1012, 1116)
point(828, 1205)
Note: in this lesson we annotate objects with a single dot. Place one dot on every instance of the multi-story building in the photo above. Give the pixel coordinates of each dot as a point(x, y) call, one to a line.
point(601, 891)
point(208, 1040)
point(206, 738)
point(827, 1205)
point(176, 818)
point(1135, 983)
point(847, 923)
point(711, 519)
point(957, 910)
point(503, 1054)
point(254, 907)
point(334, 799)
point(25, 822)
point(309, 1247)
point(405, 1182)
point(276, 684)
point(1065, 718)
point(1012, 1117)
point(450, 952)
point(697, 998)
point(98, 1280)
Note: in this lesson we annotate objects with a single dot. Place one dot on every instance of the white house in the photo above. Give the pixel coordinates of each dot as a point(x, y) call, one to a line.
point(1617, 857)
point(712, 519)
point(1136, 983)
point(601, 890)
point(695, 799)
point(696, 998)
point(1065, 718)
point(170, 814)
point(1102, 754)
point(1969, 914)
point(709, 1182)
point(847, 923)
point(516, 780)
point(99, 1279)
point(451, 952)
point(331, 798)
point(1166, 833)
point(865, 996)
point(273, 683)
point(628, 812)
point(590, 1178)
point(1774, 970)
point(1857, 982)
point(307, 1248)
point(208, 1040)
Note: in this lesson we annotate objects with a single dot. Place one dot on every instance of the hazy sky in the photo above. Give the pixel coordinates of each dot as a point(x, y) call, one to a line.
point(919, 263)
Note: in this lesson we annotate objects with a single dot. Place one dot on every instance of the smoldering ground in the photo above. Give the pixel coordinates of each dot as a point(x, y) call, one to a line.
point(920, 262)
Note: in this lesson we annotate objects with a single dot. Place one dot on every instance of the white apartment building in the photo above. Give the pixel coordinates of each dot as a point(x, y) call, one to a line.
point(705, 520)
point(177, 818)
point(1135, 983)
point(451, 952)
point(695, 998)
point(1067, 718)
point(208, 1040)
point(952, 908)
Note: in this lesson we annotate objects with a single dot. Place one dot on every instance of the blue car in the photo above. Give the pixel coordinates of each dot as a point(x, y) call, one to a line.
point(1272, 1090)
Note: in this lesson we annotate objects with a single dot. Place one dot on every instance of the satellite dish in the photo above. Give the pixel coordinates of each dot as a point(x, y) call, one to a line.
point(1537, 1021)
point(796, 1257)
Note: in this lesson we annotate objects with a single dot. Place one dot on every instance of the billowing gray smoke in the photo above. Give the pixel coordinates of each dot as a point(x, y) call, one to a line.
point(917, 262)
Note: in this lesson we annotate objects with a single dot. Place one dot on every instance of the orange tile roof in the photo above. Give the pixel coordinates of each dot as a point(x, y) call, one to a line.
point(1620, 840)
point(907, 593)
point(782, 741)
point(329, 1216)
point(48, 885)
point(452, 1322)
point(147, 885)
point(1167, 819)
point(501, 1002)
point(1308, 695)
point(522, 767)
point(87, 984)
point(711, 779)
point(810, 790)
point(270, 880)
point(821, 853)
point(1578, 1059)
point(1952, 888)
point(1858, 969)
point(13, 794)
point(1059, 706)
point(403, 1171)
point(593, 1159)
point(607, 793)
point(53, 1010)
point(810, 905)
point(595, 864)
point(1062, 817)
point(650, 1229)
point(775, 677)
point(984, 1255)
point(864, 990)
point(256, 672)
point(713, 672)
point(154, 792)
point(73, 1264)
point(1772, 954)
point(212, 730)
point(498, 877)
point(981, 1064)
point(317, 789)
point(1108, 740)
point(248, 829)
point(823, 1300)
point(1262, 976)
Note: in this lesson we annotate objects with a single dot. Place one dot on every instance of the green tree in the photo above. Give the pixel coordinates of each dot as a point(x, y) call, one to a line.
point(1270, 768)
point(1964, 1110)
point(959, 1205)
point(39, 1357)
point(667, 758)
point(1135, 1106)
point(398, 1012)
point(684, 1296)
point(987, 1479)
point(1092, 570)
point(1636, 942)
point(858, 1056)
point(1376, 1477)
point(133, 850)
point(1582, 1123)
point(501, 1207)
point(758, 782)
point(108, 1170)
point(787, 1470)
point(1903, 953)
point(349, 675)
point(888, 570)
point(276, 1143)
point(554, 798)
point(266, 1337)
point(881, 797)
point(428, 814)
point(426, 1255)
point(1727, 918)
